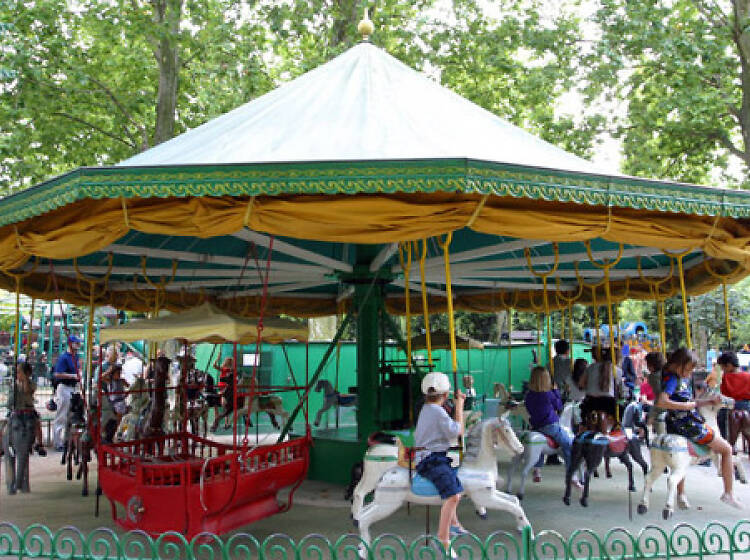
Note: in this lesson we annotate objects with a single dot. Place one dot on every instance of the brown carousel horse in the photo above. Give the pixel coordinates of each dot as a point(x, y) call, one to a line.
point(739, 425)
point(152, 423)
point(78, 442)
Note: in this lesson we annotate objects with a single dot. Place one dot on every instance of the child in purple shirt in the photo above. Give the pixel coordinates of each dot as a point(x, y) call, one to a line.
point(542, 402)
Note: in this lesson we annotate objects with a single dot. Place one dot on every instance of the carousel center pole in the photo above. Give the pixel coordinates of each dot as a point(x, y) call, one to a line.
point(367, 303)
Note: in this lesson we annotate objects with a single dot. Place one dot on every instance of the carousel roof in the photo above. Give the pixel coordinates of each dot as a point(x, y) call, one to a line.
point(364, 105)
point(363, 151)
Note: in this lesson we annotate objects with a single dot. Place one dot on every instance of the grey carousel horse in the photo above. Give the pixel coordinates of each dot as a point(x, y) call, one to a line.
point(332, 398)
point(17, 444)
point(536, 444)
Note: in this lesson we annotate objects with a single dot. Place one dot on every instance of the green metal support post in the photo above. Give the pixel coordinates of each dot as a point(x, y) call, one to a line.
point(367, 301)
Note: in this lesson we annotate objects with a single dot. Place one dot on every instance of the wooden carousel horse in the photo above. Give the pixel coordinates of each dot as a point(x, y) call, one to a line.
point(536, 444)
point(154, 418)
point(78, 442)
point(738, 422)
point(602, 438)
point(270, 404)
point(478, 474)
point(18, 441)
point(509, 404)
point(137, 404)
point(386, 450)
point(676, 454)
point(710, 414)
point(332, 398)
point(195, 412)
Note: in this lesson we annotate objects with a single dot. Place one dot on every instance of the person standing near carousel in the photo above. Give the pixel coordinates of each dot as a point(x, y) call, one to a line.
point(67, 374)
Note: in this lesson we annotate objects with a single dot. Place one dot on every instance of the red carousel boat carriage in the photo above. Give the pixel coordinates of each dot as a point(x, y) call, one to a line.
point(190, 484)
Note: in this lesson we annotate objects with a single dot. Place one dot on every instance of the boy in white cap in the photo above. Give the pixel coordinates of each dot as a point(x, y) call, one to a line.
point(432, 437)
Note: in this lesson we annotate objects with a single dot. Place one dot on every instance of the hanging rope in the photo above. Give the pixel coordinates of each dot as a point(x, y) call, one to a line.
point(544, 276)
point(259, 341)
point(425, 309)
point(724, 278)
point(404, 256)
point(683, 292)
point(655, 288)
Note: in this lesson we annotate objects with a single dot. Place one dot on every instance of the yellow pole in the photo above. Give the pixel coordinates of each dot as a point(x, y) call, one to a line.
point(723, 278)
point(425, 309)
point(683, 292)
point(510, 345)
point(406, 267)
point(451, 320)
point(726, 314)
point(544, 276)
point(31, 323)
point(606, 265)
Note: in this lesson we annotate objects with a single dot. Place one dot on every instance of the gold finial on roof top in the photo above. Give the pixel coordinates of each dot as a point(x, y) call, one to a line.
point(366, 27)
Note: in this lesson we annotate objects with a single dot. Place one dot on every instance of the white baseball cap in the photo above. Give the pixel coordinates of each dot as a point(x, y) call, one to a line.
point(436, 382)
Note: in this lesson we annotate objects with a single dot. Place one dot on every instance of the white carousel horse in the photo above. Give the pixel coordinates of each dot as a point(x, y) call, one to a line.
point(710, 413)
point(478, 475)
point(676, 453)
point(536, 443)
point(270, 404)
point(332, 398)
point(508, 404)
point(381, 456)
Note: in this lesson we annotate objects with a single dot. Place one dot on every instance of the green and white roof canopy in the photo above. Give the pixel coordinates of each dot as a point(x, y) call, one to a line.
point(363, 125)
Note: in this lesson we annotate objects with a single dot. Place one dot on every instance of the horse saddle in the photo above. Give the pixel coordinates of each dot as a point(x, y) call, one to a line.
point(698, 449)
point(421, 486)
point(618, 441)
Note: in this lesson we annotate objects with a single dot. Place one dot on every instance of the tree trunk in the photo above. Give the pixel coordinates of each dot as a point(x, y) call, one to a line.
point(742, 40)
point(167, 17)
point(348, 14)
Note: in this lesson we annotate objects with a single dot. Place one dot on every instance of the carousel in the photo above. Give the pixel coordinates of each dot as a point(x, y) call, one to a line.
point(364, 188)
point(167, 478)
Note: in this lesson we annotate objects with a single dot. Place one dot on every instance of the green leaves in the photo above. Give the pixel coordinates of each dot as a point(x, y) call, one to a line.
point(678, 68)
point(87, 81)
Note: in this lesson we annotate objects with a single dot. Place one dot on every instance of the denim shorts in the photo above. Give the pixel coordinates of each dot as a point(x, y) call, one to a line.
point(436, 468)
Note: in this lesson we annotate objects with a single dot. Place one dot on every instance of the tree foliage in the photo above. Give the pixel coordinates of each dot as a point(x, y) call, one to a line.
point(683, 69)
point(99, 81)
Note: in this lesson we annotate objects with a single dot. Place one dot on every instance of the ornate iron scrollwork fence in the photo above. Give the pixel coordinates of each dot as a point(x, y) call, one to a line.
point(651, 542)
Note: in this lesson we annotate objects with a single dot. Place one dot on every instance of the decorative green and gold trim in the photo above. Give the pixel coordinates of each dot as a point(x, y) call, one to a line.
point(389, 177)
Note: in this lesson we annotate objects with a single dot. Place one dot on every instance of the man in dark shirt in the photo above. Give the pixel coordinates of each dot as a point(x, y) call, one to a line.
point(67, 375)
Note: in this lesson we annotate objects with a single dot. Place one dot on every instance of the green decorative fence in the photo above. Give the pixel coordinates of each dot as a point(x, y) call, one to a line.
point(684, 541)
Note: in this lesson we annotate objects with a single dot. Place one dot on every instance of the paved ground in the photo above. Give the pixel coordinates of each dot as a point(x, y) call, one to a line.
point(320, 508)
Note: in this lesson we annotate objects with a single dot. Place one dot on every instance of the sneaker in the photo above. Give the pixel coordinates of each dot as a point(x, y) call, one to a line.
point(59, 449)
point(457, 530)
point(40, 450)
point(730, 500)
point(577, 484)
point(537, 475)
